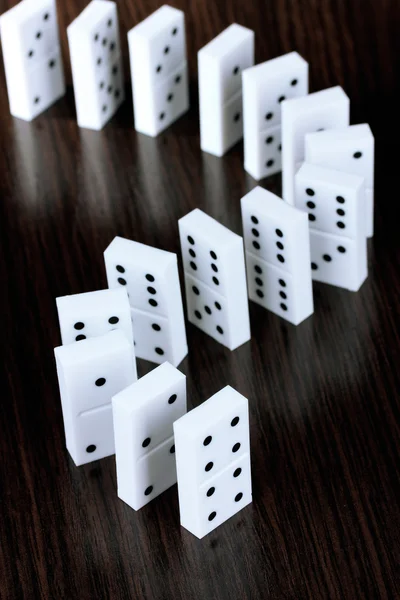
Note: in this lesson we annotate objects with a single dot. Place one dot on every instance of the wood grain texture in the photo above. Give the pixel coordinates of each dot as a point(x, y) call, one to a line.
point(324, 397)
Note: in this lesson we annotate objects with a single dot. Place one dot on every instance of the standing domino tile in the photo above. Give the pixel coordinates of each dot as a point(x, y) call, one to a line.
point(91, 314)
point(215, 279)
point(328, 109)
point(335, 202)
point(32, 57)
point(276, 238)
point(150, 276)
point(89, 375)
point(220, 64)
point(350, 150)
point(144, 439)
point(265, 87)
point(213, 461)
point(157, 51)
point(96, 63)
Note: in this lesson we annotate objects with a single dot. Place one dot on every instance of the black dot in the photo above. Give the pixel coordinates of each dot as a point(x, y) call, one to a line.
point(235, 421)
point(197, 314)
point(178, 79)
point(327, 258)
point(52, 63)
point(314, 266)
point(213, 255)
point(256, 245)
point(341, 249)
point(260, 293)
point(237, 472)
point(158, 68)
point(174, 31)
point(258, 269)
point(192, 253)
point(254, 219)
point(80, 337)
point(214, 268)
point(101, 85)
point(280, 258)
point(293, 82)
point(36, 100)
point(255, 232)
point(357, 155)
point(151, 290)
point(109, 22)
point(340, 224)
point(104, 108)
point(215, 280)
point(190, 239)
point(172, 449)
point(99, 61)
point(116, 93)
point(282, 295)
point(238, 497)
point(46, 17)
point(193, 265)
point(220, 330)
point(212, 516)
point(79, 325)
point(236, 117)
point(311, 217)
point(146, 442)
point(279, 233)
point(217, 306)
point(112, 46)
point(153, 302)
point(283, 306)
point(38, 35)
point(109, 89)
point(281, 99)
point(113, 320)
point(115, 70)
point(172, 399)
point(156, 327)
point(96, 37)
point(196, 290)
point(259, 281)
point(280, 245)
point(280, 148)
point(148, 490)
point(269, 139)
point(120, 269)
point(149, 277)
point(282, 282)
point(91, 448)
point(166, 50)
point(99, 382)
point(340, 212)
point(30, 53)
point(208, 310)
point(310, 204)
point(340, 199)
point(269, 116)
point(170, 97)
point(121, 280)
point(235, 70)
point(159, 351)
point(207, 440)
point(209, 466)
point(104, 42)
point(210, 491)
point(269, 163)
point(162, 116)
point(236, 447)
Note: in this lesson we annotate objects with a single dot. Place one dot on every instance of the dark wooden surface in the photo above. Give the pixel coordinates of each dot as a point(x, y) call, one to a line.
point(324, 397)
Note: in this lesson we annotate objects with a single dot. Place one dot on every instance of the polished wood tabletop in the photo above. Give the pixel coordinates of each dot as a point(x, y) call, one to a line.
point(323, 396)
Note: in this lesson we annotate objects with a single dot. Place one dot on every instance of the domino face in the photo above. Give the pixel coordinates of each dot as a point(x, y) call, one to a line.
point(220, 65)
point(277, 245)
point(96, 62)
point(92, 314)
point(327, 109)
point(350, 150)
point(265, 87)
point(213, 461)
point(215, 279)
point(89, 374)
point(32, 57)
point(143, 423)
point(150, 277)
point(335, 203)
point(157, 51)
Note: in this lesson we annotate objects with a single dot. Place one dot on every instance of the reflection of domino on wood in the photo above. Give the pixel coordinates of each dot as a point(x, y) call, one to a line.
point(144, 414)
point(327, 109)
point(96, 63)
point(277, 244)
point(220, 64)
point(157, 51)
point(213, 461)
point(150, 277)
point(215, 279)
point(265, 87)
point(90, 373)
point(32, 57)
point(350, 150)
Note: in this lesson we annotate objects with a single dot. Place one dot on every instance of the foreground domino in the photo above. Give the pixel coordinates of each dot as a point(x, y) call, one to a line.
point(96, 63)
point(215, 279)
point(276, 238)
point(213, 461)
point(157, 52)
point(265, 87)
point(220, 64)
point(350, 150)
point(335, 203)
point(91, 314)
point(144, 442)
point(150, 276)
point(328, 109)
point(32, 57)
point(89, 374)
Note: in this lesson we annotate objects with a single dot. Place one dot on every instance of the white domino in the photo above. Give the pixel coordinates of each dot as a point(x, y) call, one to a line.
point(335, 203)
point(350, 150)
point(277, 247)
point(157, 51)
point(213, 461)
point(150, 276)
point(32, 57)
point(91, 314)
point(89, 375)
point(215, 279)
point(327, 109)
point(220, 65)
point(96, 62)
point(144, 414)
point(265, 87)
